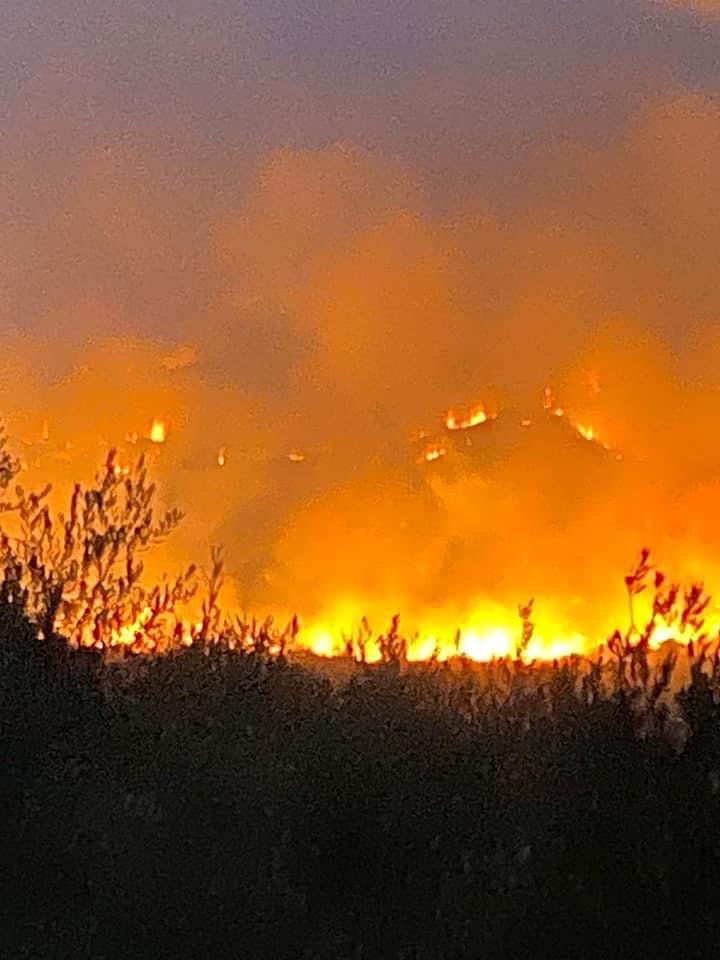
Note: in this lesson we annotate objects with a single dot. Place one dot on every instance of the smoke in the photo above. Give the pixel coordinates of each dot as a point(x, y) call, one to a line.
point(710, 7)
point(299, 237)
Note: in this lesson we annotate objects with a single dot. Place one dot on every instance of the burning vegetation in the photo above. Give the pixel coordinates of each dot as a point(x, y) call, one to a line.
point(376, 806)
point(79, 574)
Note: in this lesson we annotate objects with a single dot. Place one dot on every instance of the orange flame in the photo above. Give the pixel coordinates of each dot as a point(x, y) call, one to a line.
point(455, 420)
point(432, 452)
point(158, 431)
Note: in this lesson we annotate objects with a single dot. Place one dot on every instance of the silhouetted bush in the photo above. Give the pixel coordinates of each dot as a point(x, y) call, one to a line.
point(231, 803)
point(232, 799)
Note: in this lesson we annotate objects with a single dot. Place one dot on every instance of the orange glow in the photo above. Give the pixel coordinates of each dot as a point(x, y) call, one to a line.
point(490, 634)
point(465, 622)
point(158, 432)
point(586, 432)
point(434, 451)
point(457, 420)
point(583, 429)
point(129, 634)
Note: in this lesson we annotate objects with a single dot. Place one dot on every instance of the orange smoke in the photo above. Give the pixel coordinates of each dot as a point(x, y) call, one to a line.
point(330, 306)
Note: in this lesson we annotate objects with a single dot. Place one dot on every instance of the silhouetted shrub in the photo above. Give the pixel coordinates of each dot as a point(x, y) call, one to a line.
point(224, 800)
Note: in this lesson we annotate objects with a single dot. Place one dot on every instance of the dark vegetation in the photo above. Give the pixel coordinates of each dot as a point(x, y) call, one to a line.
point(222, 800)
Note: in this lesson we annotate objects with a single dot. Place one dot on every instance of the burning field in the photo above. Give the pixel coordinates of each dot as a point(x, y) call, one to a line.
point(359, 484)
point(433, 366)
point(83, 571)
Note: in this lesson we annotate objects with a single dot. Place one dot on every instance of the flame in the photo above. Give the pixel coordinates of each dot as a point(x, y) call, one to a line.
point(136, 635)
point(131, 633)
point(586, 432)
point(481, 641)
point(455, 420)
point(322, 642)
point(434, 451)
point(489, 644)
point(488, 632)
point(485, 633)
point(158, 431)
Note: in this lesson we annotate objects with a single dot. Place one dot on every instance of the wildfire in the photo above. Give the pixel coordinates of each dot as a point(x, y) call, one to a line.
point(131, 633)
point(432, 452)
point(486, 633)
point(158, 431)
point(583, 429)
point(489, 634)
point(586, 432)
point(144, 634)
point(458, 420)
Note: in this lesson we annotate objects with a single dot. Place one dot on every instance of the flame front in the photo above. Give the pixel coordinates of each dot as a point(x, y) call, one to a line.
point(456, 420)
point(480, 630)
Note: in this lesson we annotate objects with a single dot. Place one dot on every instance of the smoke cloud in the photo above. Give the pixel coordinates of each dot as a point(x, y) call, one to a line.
point(299, 234)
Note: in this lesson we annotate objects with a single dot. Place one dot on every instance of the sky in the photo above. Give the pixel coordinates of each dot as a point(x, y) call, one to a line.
point(314, 227)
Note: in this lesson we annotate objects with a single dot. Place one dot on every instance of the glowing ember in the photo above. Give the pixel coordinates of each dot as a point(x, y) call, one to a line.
point(221, 457)
point(432, 452)
point(584, 430)
point(158, 432)
point(456, 420)
point(296, 457)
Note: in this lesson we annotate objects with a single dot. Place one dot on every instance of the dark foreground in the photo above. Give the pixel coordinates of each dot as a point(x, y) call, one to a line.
point(214, 804)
